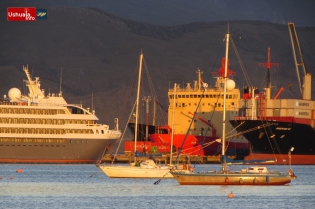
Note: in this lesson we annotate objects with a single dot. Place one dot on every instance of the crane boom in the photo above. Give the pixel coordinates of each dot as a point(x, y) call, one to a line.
point(305, 86)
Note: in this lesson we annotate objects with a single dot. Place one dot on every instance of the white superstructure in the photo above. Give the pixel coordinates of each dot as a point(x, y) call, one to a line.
point(37, 120)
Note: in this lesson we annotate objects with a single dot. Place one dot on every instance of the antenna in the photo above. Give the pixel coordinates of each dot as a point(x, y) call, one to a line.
point(268, 65)
point(228, 31)
point(60, 92)
point(92, 101)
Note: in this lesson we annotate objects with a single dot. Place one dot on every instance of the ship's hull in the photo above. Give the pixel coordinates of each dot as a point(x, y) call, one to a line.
point(212, 178)
point(71, 151)
point(148, 147)
point(193, 145)
point(203, 146)
point(274, 139)
point(143, 169)
point(135, 172)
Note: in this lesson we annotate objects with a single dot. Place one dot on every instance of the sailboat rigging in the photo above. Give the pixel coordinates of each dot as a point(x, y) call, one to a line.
point(138, 169)
point(256, 175)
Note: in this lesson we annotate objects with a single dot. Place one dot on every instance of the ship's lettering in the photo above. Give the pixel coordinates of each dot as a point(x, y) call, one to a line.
point(283, 129)
point(303, 104)
point(304, 113)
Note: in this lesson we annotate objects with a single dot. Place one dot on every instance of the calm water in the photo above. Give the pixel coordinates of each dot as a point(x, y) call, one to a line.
point(85, 186)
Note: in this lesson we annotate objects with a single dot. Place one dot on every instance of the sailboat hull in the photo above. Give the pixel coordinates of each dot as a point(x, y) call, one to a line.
point(231, 179)
point(136, 172)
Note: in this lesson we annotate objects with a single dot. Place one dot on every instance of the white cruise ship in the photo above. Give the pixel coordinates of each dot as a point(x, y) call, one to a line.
point(40, 128)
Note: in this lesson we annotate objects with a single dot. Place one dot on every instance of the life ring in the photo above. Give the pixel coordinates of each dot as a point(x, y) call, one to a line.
point(255, 180)
point(191, 168)
point(227, 180)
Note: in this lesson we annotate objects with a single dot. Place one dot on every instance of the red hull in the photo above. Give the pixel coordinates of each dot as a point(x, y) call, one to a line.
point(147, 147)
point(200, 145)
point(284, 159)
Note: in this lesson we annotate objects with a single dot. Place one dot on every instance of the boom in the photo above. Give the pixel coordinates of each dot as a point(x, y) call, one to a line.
point(305, 87)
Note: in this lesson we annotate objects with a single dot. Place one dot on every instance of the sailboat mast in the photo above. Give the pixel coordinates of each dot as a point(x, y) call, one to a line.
point(137, 104)
point(173, 115)
point(224, 101)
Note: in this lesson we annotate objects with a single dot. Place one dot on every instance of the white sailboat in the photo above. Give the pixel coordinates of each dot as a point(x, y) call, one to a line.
point(144, 169)
point(256, 175)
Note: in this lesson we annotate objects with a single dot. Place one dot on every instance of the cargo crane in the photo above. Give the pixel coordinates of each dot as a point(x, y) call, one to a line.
point(305, 86)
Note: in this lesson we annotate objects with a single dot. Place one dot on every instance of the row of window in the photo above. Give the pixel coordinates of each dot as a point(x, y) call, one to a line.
point(203, 104)
point(228, 96)
point(45, 131)
point(28, 140)
point(44, 121)
point(31, 111)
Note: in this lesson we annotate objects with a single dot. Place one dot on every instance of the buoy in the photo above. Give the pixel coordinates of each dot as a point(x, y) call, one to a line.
point(231, 195)
point(0, 177)
point(11, 177)
point(227, 180)
point(19, 170)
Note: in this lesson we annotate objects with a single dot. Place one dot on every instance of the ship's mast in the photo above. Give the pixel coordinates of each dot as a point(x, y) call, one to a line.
point(33, 86)
point(137, 105)
point(147, 100)
point(60, 92)
point(154, 112)
point(224, 101)
point(199, 72)
point(173, 118)
point(268, 65)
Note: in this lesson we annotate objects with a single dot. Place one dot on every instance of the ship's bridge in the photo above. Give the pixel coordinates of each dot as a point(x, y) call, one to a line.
point(76, 109)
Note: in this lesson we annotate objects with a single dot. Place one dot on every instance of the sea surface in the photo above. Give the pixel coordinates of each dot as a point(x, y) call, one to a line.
point(85, 186)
